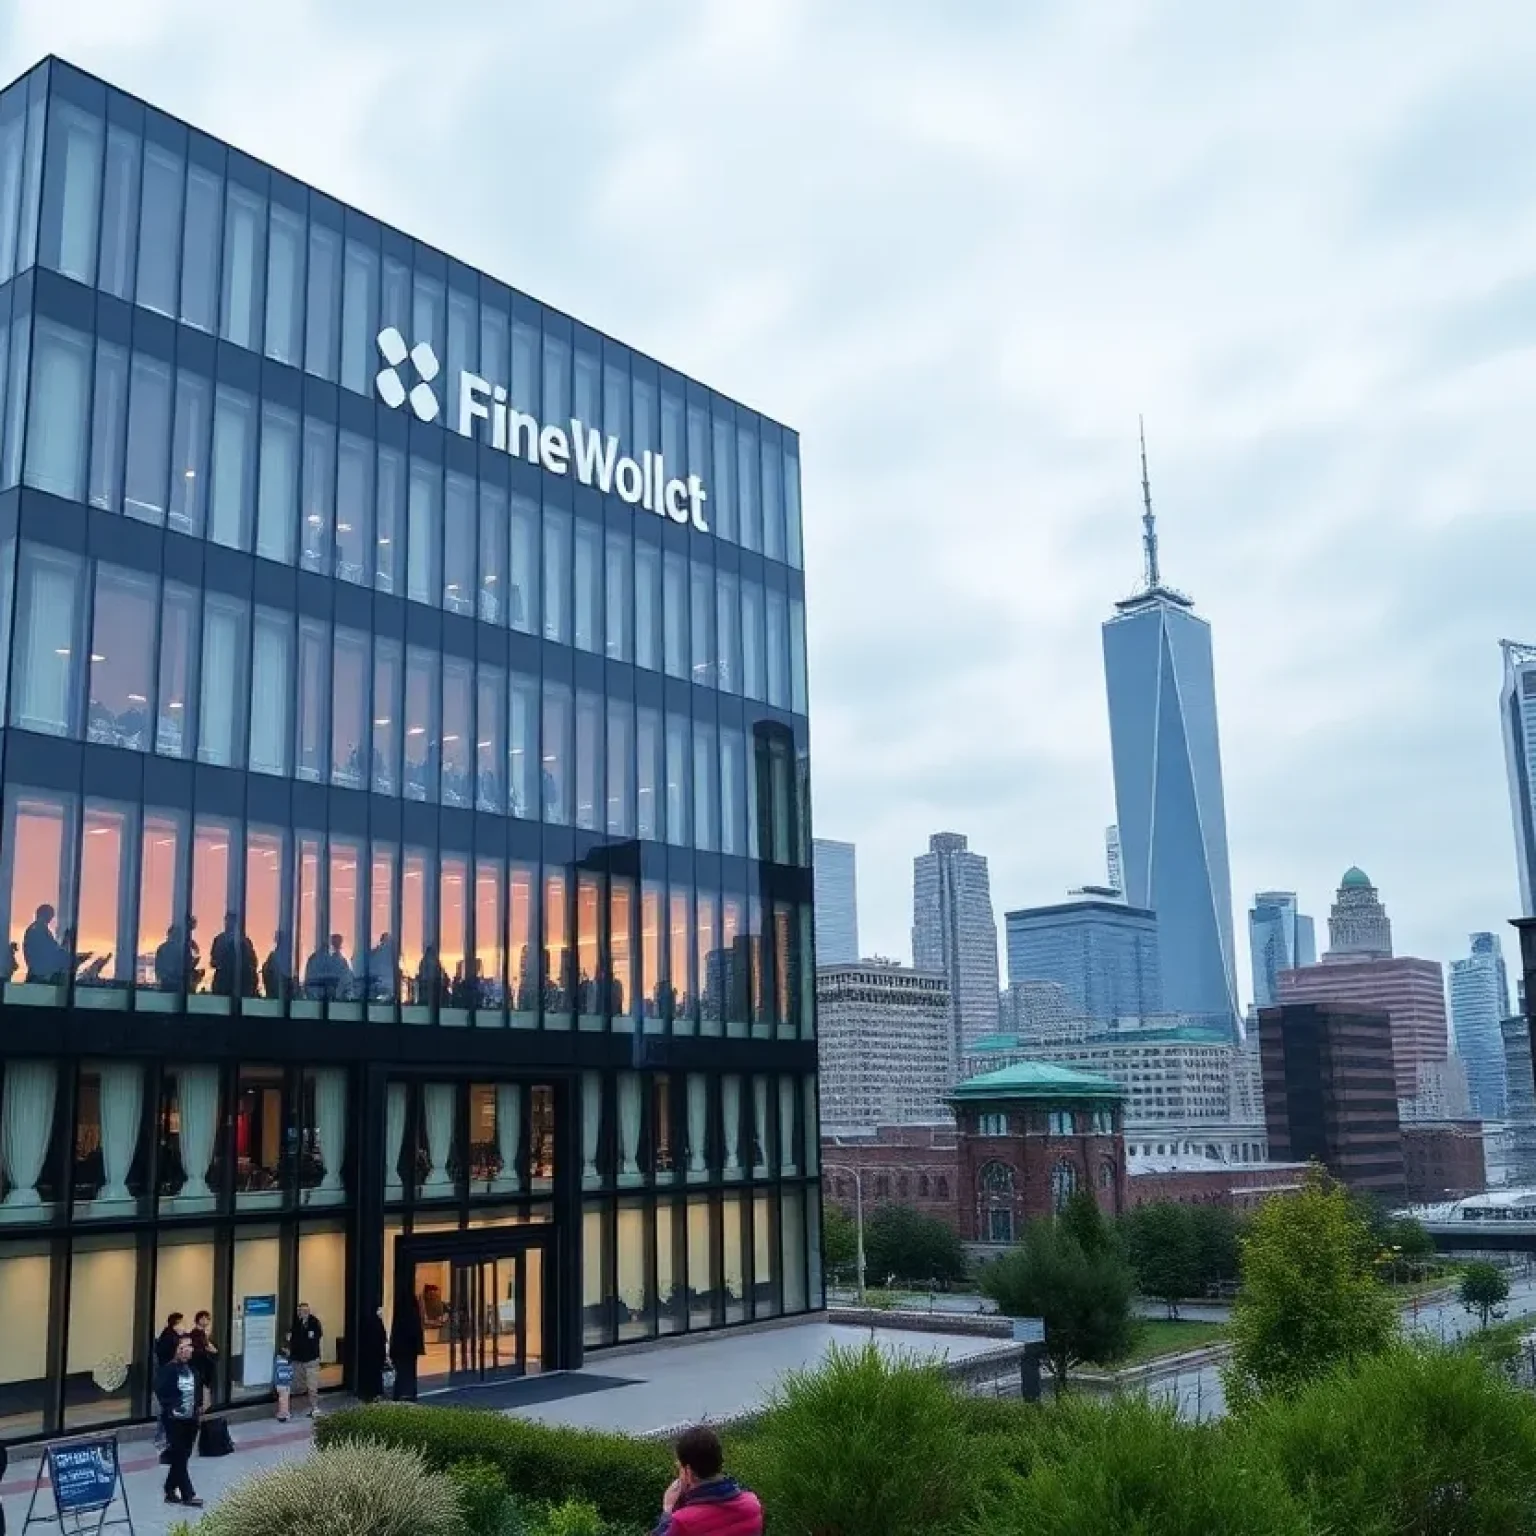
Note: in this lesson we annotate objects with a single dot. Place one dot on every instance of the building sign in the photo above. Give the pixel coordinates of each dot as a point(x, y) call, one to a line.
point(258, 1340)
point(484, 411)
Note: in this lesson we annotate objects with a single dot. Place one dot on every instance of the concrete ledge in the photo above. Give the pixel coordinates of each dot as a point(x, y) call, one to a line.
point(969, 1324)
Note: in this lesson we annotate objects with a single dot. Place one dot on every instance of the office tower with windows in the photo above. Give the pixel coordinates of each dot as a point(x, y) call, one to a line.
point(1168, 793)
point(1517, 706)
point(954, 933)
point(837, 902)
point(1103, 953)
point(404, 850)
point(1279, 939)
point(1479, 988)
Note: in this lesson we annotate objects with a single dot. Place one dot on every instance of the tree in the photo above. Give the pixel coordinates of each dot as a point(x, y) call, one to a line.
point(1164, 1251)
point(1410, 1237)
point(839, 1240)
point(1218, 1232)
point(1084, 1298)
point(903, 1244)
point(1082, 1217)
point(1484, 1288)
point(1309, 1299)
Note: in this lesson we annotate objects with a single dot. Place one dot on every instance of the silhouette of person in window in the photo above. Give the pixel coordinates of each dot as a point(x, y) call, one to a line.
point(276, 980)
point(383, 974)
point(327, 975)
point(171, 961)
point(47, 959)
point(234, 960)
point(431, 979)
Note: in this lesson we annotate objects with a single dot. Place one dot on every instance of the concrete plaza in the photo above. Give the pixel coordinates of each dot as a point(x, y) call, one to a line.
point(656, 1387)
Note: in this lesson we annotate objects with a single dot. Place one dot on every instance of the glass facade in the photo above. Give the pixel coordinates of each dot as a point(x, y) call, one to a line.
point(328, 726)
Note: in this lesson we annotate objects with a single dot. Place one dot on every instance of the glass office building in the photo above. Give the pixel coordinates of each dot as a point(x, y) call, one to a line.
point(405, 844)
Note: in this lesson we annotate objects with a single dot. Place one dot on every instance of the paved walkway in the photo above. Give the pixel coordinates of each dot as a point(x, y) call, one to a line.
point(670, 1384)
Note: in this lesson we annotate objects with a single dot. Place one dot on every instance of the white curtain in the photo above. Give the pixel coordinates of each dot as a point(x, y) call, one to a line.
point(233, 419)
point(394, 1134)
point(271, 692)
point(197, 1103)
point(509, 1129)
point(698, 1124)
point(56, 432)
point(812, 1129)
point(787, 1159)
point(221, 684)
point(437, 1098)
point(629, 1125)
point(241, 234)
point(331, 1122)
point(49, 617)
point(760, 1124)
point(285, 265)
point(77, 216)
point(122, 1108)
point(730, 1110)
point(591, 1119)
point(26, 1126)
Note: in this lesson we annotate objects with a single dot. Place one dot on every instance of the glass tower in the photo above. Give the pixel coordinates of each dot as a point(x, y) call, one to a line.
point(1279, 939)
point(954, 934)
point(1517, 704)
point(1168, 794)
point(1479, 992)
point(405, 847)
point(837, 902)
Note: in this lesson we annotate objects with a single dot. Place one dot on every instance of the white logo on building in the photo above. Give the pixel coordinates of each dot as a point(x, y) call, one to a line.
point(592, 455)
point(392, 392)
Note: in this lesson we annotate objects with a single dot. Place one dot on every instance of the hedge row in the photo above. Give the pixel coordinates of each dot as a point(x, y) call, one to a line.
point(543, 1463)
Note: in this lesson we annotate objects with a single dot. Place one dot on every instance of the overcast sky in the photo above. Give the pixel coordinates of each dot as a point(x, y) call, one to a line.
point(959, 248)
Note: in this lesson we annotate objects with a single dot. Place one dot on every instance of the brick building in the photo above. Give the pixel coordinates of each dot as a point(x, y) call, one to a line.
point(1208, 1181)
point(1330, 1092)
point(1443, 1160)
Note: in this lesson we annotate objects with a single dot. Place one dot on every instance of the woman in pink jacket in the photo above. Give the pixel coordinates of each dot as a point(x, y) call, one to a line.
point(702, 1501)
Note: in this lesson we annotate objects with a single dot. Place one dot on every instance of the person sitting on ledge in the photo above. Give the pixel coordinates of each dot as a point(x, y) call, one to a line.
point(701, 1500)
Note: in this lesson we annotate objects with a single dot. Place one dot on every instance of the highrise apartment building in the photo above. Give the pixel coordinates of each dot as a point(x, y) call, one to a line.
point(1517, 707)
point(837, 902)
point(403, 841)
point(1479, 988)
point(884, 1045)
point(1520, 1100)
point(1101, 952)
point(1169, 803)
point(954, 933)
point(1280, 938)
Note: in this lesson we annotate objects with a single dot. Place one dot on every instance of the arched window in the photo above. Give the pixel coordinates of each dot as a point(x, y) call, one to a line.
point(1106, 1175)
point(882, 1184)
point(922, 1186)
point(1063, 1184)
point(995, 1203)
point(943, 1187)
point(903, 1186)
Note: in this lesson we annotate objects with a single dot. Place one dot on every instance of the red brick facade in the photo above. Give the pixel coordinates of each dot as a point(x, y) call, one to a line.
point(1237, 1187)
point(1443, 1160)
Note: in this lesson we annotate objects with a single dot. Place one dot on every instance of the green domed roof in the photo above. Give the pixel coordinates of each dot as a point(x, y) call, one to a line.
point(1354, 876)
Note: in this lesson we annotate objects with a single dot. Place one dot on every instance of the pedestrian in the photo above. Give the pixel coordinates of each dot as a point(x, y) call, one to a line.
point(177, 1390)
point(304, 1350)
point(702, 1500)
point(372, 1357)
point(205, 1354)
point(282, 1380)
point(407, 1344)
point(168, 1338)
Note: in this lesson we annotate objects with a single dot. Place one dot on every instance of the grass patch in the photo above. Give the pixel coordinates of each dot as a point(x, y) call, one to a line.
point(1159, 1336)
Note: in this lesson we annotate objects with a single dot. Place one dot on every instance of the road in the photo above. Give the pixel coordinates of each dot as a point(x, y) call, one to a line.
point(1198, 1392)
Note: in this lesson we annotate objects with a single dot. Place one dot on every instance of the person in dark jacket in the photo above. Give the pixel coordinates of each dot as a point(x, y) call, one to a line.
point(702, 1500)
point(372, 1357)
point(168, 1338)
point(178, 1390)
point(304, 1350)
point(205, 1355)
point(407, 1343)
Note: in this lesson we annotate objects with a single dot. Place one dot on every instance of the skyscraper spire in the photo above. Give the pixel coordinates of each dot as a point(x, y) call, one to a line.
point(1148, 522)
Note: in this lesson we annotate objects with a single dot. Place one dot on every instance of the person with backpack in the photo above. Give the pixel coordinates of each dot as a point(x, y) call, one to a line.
point(702, 1500)
point(304, 1351)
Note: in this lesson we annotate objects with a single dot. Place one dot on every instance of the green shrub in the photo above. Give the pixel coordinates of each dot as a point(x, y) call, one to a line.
point(573, 1517)
point(540, 1463)
point(1411, 1441)
point(863, 1445)
point(1129, 1465)
point(359, 1488)
point(482, 1493)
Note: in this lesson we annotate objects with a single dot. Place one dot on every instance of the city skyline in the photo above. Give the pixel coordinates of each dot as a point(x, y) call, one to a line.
point(1331, 417)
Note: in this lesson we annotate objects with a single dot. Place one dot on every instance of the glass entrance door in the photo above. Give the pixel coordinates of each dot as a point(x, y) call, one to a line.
point(483, 1317)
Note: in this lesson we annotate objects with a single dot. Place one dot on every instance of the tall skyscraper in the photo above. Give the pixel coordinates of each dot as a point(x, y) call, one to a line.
point(1168, 796)
point(954, 933)
point(837, 902)
point(1479, 1000)
point(1113, 863)
point(1103, 953)
point(1517, 704)
point(1279, 939)
point(1358, 924)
